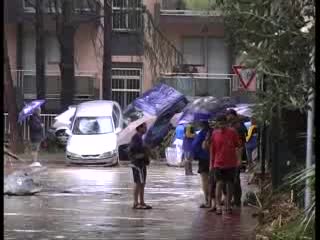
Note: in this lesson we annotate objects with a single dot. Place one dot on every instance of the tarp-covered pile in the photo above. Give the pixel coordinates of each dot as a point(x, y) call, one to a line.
point(23, 182)
point(160, 104)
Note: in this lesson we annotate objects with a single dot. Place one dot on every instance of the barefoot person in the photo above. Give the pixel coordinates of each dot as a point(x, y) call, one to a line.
point(202, 155)
point(236, 123)
point(224, 161)
point(187, 149)
point(138, 154)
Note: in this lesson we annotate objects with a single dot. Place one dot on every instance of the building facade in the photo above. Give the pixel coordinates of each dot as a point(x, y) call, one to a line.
point(198, 36)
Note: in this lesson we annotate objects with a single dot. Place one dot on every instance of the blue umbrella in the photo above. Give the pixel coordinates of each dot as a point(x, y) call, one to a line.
point(29, 109)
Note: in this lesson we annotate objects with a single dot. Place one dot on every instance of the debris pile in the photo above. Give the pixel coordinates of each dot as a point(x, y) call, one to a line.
point(23, 182)
point(274, 210)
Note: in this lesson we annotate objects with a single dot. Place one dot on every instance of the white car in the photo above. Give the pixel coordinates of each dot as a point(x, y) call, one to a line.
point(62, 123)
point(94, 132)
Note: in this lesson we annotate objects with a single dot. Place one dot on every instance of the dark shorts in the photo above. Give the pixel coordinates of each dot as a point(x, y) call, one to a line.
point(139, 174)
point(212, 183)
point(35, 146)
point(187, 155)
point(225, 174)
point(203, 165)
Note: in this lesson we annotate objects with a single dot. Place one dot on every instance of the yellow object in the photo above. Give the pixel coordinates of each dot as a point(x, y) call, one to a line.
point(250, 131)
point(189, 133)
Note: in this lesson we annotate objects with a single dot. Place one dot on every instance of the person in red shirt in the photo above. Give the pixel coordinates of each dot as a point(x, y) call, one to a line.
point(223, 160)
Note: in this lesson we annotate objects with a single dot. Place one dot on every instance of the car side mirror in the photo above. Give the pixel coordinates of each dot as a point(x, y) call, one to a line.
point(68, 132)
point(118, 130)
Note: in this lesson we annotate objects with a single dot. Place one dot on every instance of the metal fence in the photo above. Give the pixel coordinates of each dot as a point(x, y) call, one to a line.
point(47, 119)
point(203, 84)
point(85, 89)
point(200, 84)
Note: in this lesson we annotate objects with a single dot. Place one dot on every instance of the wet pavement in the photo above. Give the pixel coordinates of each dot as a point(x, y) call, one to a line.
point(95, 203)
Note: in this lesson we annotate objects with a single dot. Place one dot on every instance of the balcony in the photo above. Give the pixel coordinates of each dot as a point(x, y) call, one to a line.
point(25, 82)
point(206, 84)
point(176, 12)
point(79, 6)
point(82, 9)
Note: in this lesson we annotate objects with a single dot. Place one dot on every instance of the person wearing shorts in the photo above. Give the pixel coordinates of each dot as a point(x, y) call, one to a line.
point(187, 149)
point(224, 161)
point(138, 155)
point(236, 123)
point(202, 155)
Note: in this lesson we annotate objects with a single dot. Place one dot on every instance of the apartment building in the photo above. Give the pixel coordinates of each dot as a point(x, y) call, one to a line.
point(198, 36)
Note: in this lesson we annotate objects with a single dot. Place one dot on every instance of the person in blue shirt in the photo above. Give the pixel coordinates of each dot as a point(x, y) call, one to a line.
point(202, 155)
point(179, 142)
point(188, 138)
point(180, 132)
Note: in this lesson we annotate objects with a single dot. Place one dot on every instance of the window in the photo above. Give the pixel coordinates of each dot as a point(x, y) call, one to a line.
point(85, 5)
point(29, 47)
point(193, 51)
point(49, 5)
point(126, 85)
point(127, 15)
point(52, 50)
point(92, 125)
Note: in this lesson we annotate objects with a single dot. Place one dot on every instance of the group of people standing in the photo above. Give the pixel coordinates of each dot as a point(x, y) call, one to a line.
point(220, 151)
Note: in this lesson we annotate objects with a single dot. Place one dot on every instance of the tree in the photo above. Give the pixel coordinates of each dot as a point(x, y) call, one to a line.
point(159, 52)
point(107, 55)
point(65, 29)
point(278, 39)
point(40, 51)
point(16, 144)
point(199, 4)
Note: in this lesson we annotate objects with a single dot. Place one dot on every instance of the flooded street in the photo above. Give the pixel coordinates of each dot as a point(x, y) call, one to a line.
point(95, 203)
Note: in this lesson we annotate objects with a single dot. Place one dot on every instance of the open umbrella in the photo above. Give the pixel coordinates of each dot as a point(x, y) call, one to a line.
point(205, 108)
point(29, 109)
point(126, 134)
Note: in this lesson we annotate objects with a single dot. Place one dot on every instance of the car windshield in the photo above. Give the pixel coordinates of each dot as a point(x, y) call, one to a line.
point(92, 125)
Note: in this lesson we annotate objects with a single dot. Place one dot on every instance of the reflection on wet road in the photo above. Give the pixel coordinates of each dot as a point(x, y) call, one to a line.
point(95, 203)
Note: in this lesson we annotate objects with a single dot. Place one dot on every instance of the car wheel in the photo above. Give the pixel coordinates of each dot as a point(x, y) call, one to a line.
point(62, 137)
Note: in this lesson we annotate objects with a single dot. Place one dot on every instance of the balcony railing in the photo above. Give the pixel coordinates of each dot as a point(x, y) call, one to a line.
point(204, 84)
point(25, 80)
point(169, 12)
point(47, 119)
point(86, 88)
point(79, 6)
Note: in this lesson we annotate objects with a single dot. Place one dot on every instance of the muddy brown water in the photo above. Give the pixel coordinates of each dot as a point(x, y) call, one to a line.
point(95, 203)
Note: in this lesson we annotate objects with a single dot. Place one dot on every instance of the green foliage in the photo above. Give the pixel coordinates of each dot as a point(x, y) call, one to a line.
point(167, 142)
point(199, 4)
point(277, 38)
point(302, 227)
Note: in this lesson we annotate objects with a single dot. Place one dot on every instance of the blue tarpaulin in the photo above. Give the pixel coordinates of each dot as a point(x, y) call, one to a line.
point(159, 99)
